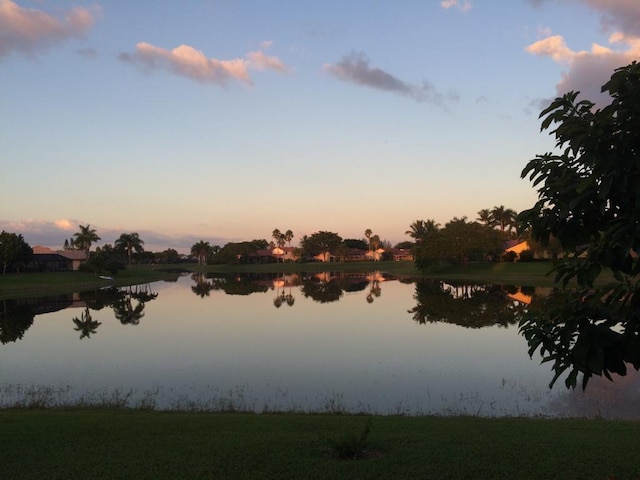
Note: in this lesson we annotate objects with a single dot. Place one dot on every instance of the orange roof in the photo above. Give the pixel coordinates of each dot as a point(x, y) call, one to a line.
point(41, 249)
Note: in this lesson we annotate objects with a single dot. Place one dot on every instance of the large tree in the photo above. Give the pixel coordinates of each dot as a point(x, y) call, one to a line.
point(129, 242)
point(589, 200)
point(320, 243)
point(202, 251)
point(84, 238)
point(14, 251)
point(459, 241)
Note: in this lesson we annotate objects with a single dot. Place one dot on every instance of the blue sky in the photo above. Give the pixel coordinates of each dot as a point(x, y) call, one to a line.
point(222, 120)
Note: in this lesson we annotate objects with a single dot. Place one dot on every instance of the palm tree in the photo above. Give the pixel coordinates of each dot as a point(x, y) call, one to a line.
point(505, 218)
point(368, 233)
point(374, 241)
point(202, 251)
point(280, 239)
point(485, 217)
point(129, 242)
point(288, 236)
point(419, 229)
point(277, 236)
point(84, 238)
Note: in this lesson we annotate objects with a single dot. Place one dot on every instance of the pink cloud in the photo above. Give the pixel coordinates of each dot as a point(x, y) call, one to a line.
point(260, 61)
point(28, 30)
point(589, 70)
point(188, 62)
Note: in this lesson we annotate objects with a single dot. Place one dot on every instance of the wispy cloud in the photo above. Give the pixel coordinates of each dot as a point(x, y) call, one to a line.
point(463, 6)
point(29, 31)
point(354, 68)
point(589, 70)
point(186, 61)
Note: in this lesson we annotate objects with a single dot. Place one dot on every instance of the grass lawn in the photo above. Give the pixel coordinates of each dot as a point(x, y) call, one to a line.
point(137, 444)
point(26, 285)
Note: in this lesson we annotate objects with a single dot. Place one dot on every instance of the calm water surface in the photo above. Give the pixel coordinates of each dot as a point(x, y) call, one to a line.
point(357, 343)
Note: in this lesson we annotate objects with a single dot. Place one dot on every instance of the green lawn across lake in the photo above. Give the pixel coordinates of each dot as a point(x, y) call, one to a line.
point(26, 285)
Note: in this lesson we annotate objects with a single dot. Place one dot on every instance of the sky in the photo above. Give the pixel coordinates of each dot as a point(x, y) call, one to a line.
point(223, 120)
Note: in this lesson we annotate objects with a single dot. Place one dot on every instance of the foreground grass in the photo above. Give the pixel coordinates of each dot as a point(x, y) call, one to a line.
point(143, 444)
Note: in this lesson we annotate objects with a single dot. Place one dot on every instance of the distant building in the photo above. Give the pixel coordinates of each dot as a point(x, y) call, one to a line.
point(516, 246)
point(48, 260)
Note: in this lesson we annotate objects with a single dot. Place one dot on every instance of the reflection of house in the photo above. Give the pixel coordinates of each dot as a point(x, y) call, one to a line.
point(48, 260)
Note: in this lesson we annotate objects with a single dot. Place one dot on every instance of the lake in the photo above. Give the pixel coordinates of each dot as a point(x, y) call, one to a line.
point(353, 343)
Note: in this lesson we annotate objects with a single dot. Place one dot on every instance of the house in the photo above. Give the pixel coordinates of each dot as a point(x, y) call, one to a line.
point(402, 255)
point(48, 260)
point(374, 255)
point(516, 246)
point(277, 254)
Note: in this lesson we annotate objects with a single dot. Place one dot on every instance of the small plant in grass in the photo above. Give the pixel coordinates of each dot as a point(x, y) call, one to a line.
point(352, 446)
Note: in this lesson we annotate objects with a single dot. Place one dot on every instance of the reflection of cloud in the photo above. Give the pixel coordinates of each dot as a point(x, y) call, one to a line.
point(589, 70)
point(354, 68)
point(463, 6)
point(28, 30)
point(188, 62)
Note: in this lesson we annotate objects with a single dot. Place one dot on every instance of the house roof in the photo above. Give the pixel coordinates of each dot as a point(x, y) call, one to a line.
point(70, 254)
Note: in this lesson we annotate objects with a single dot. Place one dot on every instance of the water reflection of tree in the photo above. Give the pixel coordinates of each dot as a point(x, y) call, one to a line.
point(471, 306)
point(15, 320)
point(126, 311)
point(281, 296)
point(321, 291)
point(203, 286)
point(101, 298)
point(240, 284)
point(374, 290)
point(86, 325)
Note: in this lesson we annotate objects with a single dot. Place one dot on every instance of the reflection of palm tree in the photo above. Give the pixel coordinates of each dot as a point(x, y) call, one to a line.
point(289, 298)
point(277, 302)
point(203, 287)
point(142, 293)
point(374, 290)
point(85, 324)
point(127, 313)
